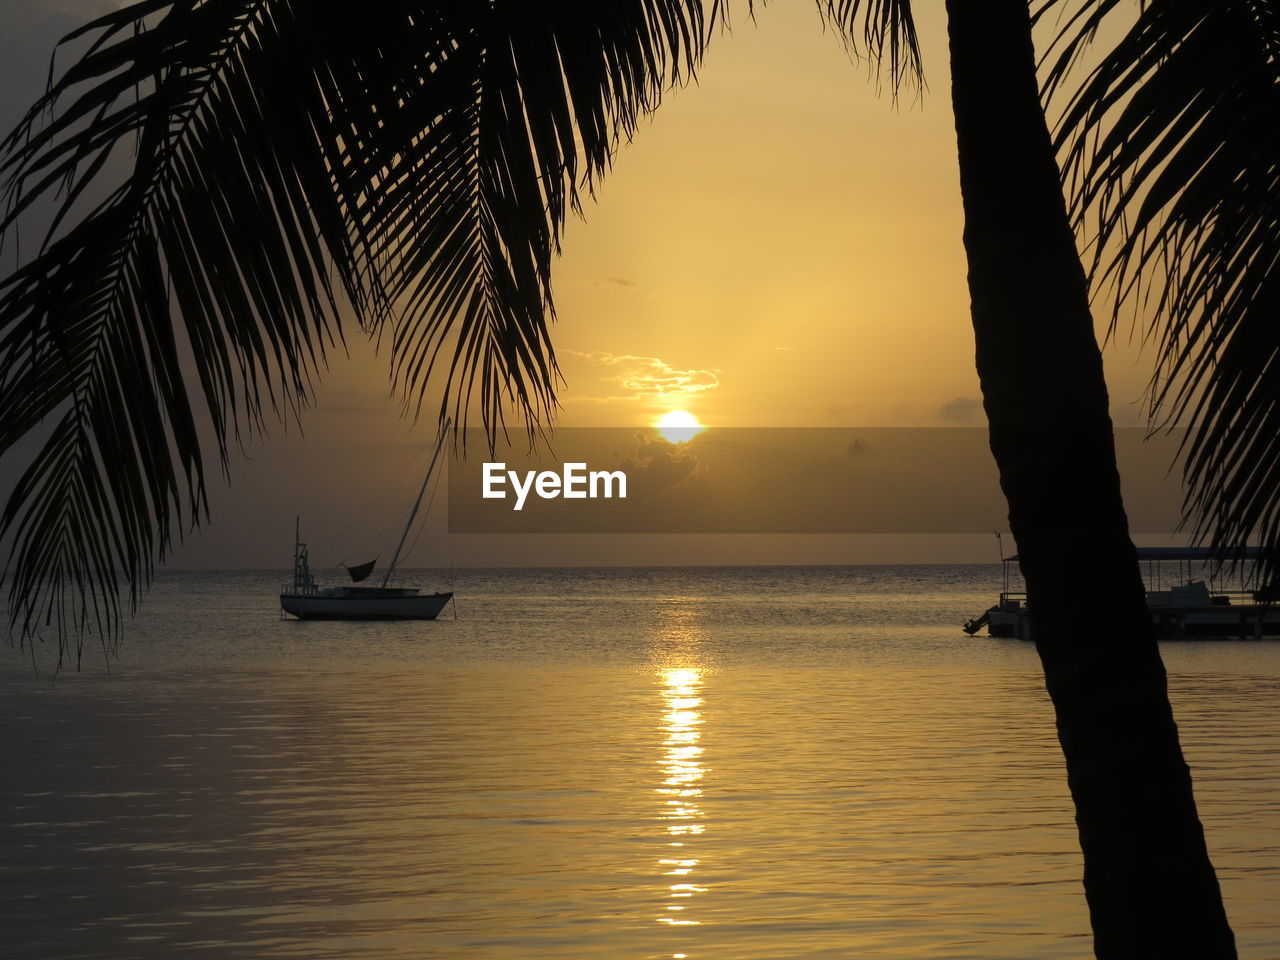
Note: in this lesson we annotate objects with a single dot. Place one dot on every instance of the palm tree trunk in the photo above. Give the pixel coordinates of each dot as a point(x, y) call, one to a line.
point(1151, 889)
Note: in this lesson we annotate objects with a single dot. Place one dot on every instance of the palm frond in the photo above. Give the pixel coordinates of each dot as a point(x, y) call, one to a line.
point(1172, 156)
point(883, 30)
point(285, 162)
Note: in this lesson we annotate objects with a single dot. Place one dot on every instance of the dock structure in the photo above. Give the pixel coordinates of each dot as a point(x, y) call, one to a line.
point(1180, 604)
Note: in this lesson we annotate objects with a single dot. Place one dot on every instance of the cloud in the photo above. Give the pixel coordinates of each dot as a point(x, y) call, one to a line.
point(657, 465)
point(620, 282)
point(642, 378)
point(961, 410)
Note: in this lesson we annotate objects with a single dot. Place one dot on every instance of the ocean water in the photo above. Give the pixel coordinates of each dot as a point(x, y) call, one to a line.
point(703, 763)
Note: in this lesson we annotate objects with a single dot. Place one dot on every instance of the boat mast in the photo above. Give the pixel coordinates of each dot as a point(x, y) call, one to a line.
point(302, 582)
point(444, 429)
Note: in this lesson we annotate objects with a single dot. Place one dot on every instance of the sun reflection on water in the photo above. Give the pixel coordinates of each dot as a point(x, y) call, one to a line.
point(681, 789)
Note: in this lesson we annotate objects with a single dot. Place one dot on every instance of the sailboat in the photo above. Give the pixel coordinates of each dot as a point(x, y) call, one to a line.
point(306, 600)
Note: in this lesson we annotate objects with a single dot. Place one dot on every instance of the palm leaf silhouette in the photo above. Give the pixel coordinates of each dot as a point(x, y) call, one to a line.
point(285, 163)
point(1172, 153)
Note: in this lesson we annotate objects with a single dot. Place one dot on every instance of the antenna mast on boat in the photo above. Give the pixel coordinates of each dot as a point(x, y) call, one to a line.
point(444, 430)
point(302, 581)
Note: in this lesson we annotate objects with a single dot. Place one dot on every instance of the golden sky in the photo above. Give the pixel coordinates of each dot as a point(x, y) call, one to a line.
point(780, 246)
point(782, 228)
point(785, 240)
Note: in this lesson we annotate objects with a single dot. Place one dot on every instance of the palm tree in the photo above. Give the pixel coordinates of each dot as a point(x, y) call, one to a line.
point(1151, 889)
point(414, 162)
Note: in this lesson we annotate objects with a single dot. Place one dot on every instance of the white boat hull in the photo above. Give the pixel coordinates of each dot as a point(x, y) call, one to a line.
point(370, 604)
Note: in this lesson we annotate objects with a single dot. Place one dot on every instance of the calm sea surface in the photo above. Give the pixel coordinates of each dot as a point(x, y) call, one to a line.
point(700, 763)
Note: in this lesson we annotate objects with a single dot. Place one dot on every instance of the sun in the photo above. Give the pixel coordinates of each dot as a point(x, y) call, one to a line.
point(678, 426)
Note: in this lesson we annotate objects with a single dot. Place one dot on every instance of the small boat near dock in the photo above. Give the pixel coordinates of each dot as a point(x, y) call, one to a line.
point(1180, 604)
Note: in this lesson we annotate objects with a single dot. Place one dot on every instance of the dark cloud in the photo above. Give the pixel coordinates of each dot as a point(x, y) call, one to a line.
point(658, 465)
point(962, 410)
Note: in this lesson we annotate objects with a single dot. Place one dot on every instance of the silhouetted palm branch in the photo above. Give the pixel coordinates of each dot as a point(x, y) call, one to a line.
point(884, 31)
point(1172, 147)
point(283, 162)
